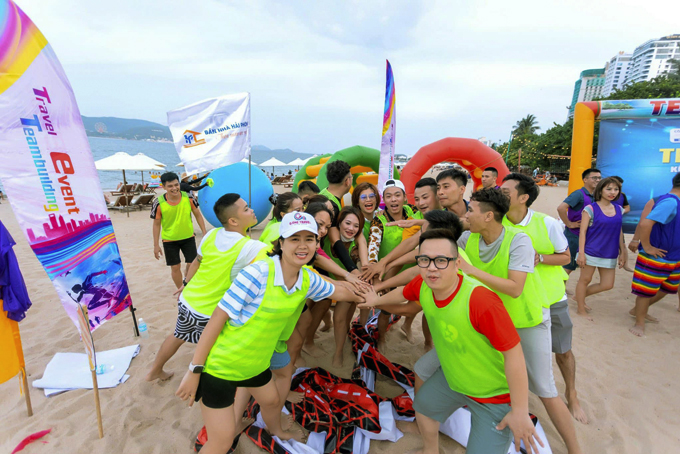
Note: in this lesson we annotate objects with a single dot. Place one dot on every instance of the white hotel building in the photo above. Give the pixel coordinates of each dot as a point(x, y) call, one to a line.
point(651, 59)
point(615, 73)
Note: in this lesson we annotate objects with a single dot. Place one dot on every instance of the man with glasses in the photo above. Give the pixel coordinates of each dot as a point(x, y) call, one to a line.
point(570, 212)
point(482, 363)
point(502, 258)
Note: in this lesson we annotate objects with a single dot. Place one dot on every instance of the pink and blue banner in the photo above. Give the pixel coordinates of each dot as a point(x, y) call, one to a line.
point(388, 131)
point(49, 175)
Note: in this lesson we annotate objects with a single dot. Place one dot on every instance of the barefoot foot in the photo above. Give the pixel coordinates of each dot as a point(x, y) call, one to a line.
point(243, 424)
point(337, 361)
point(584, 315)
point(577, 412)
point(294, 397)
point(408, 333)
point(588, 308)
point(160, 376)
point(639, 331)
point(326, 327)
point(294, 433)
point(648, 318)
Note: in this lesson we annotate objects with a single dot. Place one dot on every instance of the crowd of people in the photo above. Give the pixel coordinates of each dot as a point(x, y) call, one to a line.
point(488, 274)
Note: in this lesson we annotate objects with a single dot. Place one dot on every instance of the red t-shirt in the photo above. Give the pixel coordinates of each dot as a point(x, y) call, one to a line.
point(488, 317)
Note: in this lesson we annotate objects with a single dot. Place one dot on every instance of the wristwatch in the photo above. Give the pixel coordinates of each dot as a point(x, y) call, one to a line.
point(540, 258)
point(195, 368)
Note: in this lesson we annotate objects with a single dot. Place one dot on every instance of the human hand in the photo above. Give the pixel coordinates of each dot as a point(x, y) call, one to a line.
point(465, 267)
point(654, 251)
point(537, 260)
point(355, 272)
point(581, 260)
point(575, 225)
point(374, 269)
point(157, 251)
point(178, 292)
point(378, 212)
point(633, 245)
point(187, 389)
point(370, 297)
point(522, 429)
point(404, 223)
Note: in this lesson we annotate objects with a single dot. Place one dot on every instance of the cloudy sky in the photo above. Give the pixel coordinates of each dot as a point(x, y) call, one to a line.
point(316, 70)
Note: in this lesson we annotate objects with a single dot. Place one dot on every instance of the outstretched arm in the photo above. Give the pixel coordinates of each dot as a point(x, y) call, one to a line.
point(199, 217)
point(513, 286)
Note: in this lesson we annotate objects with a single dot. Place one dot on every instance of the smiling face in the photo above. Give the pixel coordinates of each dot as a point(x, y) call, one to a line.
point(488, 179)
point(172, 187)
point(323, 222)
point(298, 249)
point(590, 182)
point(349, 227)
point(433, 277)
point(449, 192)
point(394, 200)
point(368, 202)
point(610, 192)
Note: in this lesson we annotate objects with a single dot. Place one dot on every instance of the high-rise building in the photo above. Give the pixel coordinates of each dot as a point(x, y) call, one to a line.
point(588, 87)
point(651, 59)
point(615, 73)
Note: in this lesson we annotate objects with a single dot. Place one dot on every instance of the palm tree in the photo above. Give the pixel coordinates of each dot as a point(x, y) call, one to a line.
point(526, 125)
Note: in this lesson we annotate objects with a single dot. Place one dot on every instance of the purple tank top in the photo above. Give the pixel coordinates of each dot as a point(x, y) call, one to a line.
point(602, 238)
point(575, 215)
point(667, 236)
point(620, 200)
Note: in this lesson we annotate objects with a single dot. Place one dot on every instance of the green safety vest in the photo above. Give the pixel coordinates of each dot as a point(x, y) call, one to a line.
point(367, 229)
point(525, 310)
point(553, 277)
point(328, 249)
point(271, 233)
point(471, 365)
point(213, 277)
point(391, 235)
point(330, 196)
point(242, 352)
point(176, 221)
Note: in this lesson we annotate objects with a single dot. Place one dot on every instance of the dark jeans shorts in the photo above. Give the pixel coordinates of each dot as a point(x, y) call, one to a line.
point(219, 393)
point(573, 249)
point(171, 250)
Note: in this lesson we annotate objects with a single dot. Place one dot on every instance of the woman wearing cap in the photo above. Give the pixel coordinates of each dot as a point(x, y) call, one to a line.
point(258, 311)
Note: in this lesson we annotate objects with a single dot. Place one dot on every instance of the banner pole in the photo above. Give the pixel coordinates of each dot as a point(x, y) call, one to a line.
point(127, 201)
point(134, 319)
point(249, 177)
point(95, 388)
point(27, 393)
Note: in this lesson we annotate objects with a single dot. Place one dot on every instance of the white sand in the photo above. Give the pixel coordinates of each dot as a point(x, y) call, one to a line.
point(626, 384)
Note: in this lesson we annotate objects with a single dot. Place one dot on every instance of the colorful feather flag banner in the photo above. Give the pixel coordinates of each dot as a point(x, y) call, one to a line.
point(388, 131)
point(49, 175)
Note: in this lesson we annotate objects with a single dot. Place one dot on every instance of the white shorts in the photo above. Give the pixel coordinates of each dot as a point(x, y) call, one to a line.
point(537, 347)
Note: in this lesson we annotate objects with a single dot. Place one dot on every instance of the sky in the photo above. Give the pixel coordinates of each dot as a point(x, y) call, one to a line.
point(316, 70)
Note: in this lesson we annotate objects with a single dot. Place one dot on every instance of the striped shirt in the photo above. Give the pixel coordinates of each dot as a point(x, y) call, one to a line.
point(247, 291)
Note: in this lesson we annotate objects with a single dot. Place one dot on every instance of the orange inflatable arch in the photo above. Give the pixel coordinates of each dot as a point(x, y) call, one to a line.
point(470, 154)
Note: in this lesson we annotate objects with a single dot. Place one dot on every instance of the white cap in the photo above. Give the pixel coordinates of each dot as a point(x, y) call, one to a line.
point(393, 184)
point(295, 222)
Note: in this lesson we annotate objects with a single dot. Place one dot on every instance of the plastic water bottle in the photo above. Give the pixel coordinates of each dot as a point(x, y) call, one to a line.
point(104, 368)
point(143, 329)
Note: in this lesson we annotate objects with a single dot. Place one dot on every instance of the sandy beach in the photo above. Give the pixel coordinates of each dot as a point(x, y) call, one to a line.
point(626, 384)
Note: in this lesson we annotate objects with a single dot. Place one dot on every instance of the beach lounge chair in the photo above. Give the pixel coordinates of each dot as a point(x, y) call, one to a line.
point(120, 202)
point(143, 200)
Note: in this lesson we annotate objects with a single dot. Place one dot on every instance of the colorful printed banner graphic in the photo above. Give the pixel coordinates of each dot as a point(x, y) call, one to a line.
point(388, 131)
point(212, 133)
point(639, 108)
point(49, 175)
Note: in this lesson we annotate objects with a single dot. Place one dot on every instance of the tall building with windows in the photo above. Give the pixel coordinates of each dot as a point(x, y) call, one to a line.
point(615, 73)
point(651, 59)
point(588, 87)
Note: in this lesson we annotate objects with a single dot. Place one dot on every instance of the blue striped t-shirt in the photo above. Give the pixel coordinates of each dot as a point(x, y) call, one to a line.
point(244, 296)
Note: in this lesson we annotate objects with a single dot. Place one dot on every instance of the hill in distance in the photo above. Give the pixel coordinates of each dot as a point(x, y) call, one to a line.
point(132, 129)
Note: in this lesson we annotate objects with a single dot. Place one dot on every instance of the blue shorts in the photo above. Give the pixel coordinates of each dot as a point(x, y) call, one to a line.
point(279, 360)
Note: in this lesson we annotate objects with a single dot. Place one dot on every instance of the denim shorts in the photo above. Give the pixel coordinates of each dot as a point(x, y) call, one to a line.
point(279, 360)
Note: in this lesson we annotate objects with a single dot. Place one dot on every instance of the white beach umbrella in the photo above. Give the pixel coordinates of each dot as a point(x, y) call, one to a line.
point(123, 161)
point(251, 162)
point(297, 162)
point(272, 162)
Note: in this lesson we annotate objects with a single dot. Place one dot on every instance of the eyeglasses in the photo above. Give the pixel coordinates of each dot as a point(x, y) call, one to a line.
point(596, 178)
point(441, 263)
point(367, 196)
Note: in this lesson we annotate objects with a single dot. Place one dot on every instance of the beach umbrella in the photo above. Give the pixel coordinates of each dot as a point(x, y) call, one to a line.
point(272, 162)
point(298, 162)
point(123, 161)
point(251, 162)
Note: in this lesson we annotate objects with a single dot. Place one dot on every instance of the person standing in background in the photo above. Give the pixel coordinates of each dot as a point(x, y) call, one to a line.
point(173, 224)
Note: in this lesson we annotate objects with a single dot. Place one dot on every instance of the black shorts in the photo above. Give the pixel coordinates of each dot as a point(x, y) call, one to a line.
point(219, 393)
point(171, 250)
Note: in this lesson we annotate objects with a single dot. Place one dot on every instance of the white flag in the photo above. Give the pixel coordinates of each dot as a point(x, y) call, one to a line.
point(212, 133)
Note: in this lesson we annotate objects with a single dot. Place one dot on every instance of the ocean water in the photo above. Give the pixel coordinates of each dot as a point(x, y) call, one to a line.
point(160, 151)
